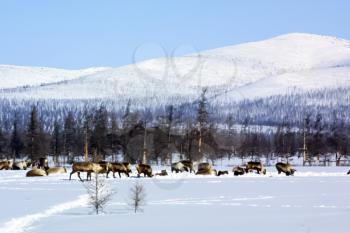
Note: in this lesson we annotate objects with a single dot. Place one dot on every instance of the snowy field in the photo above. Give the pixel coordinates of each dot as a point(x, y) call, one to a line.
point(316, 199)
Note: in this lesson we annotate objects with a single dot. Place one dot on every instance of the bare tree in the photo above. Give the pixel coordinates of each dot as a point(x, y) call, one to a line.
point(137, 197)
point(99, 194)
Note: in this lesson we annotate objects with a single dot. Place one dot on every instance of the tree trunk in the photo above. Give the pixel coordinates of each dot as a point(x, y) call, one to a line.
point(337, 158)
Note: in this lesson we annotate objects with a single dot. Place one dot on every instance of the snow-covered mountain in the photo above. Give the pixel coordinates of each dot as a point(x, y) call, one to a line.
point(292, 62)
point(18, 76)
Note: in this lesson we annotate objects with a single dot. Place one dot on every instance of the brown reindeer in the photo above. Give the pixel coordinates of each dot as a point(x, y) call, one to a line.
point(5, 165)
point(43, 163)
point(285, 168)
point(207, 172)
point(104, 168)
point(221, 173)
point(178, 167)
point(21, 165)
point(36, 172)
point(204, 166)
point(205, 169)
point(238, 171)
point(128, 167)
point(30, 163)
point(162, 173)
point(56, 170)
point(120, 168)
point(87, 167)
point(188, 164)
point(144, 169)
point(257, 166)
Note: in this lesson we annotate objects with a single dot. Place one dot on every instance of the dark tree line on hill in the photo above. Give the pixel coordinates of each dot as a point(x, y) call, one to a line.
point(138, 134)
point(291, 108)
point(268, 111)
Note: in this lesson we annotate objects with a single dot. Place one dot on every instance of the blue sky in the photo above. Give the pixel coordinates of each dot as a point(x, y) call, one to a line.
point(81, 33)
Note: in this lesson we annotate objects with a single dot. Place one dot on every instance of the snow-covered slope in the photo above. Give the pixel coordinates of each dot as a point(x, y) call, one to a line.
point(295, 82)
point(289, 62)
point(18, 76)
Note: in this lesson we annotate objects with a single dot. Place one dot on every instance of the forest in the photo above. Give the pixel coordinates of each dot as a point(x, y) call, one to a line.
point(191, 131)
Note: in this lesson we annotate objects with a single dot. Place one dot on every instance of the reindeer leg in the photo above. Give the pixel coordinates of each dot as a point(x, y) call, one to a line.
point(70, 176)
point(119, 174)
point(80, 177)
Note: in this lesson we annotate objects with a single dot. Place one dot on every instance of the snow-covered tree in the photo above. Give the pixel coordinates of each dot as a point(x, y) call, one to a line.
point(137, 197)
point(99, 194)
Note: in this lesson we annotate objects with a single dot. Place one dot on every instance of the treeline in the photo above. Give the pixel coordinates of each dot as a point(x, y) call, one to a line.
point(291, 108)
point(269, 111)
point(141, 134)
point(316, 141)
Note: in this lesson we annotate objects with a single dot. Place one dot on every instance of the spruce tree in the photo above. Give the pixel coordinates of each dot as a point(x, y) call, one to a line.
point(56, 141)
point(3, 143)
point(202, 120)
point(113, 135)
point(202, 112)
point(69, 134)
point(99, 140)
point(16, 143)
point(33, 135)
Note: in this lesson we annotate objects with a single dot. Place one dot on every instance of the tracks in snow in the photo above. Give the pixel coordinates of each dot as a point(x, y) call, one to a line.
point(21, 224)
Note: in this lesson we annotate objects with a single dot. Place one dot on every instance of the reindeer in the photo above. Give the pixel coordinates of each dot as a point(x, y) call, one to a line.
point(257, 166)
point(56, 170)
point(21, 165)
point(162, 173)
point(178, 167)
point(87, 167)
point(207, 172)
point(221, 173)
point(5, 165)
point(285, 168)
point(188, 164)
point(204, 166)
point(104, 168)
point(36, 172)
point(145, 169)
point(42, 163)
point(238, 171)
point(30, 163)
point(128, 167)
point(205, 169)
point(120, 168)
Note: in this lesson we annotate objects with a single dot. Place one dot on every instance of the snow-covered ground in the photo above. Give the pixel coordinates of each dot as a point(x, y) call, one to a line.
point(316, 199)
point(19, 76)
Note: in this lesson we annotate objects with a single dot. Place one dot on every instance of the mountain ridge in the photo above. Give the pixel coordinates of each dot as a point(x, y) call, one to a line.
point(257, 69)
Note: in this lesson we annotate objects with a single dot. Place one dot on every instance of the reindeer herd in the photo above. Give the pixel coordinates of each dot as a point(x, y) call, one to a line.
point(41, 168)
